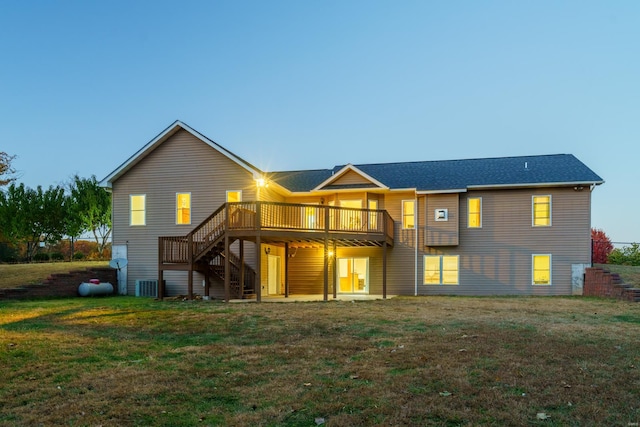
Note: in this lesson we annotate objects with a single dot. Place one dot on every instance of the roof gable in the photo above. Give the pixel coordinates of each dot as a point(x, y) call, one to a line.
point(349, 177)
point(164, 136)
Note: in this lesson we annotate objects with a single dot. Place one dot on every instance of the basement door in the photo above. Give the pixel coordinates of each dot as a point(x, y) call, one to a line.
point(353, 275)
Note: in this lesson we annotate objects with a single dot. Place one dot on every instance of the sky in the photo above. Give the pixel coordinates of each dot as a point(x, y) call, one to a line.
point(310, 84)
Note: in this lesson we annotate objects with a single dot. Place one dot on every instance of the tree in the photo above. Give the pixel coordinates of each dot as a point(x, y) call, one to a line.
point(627, 255)
point(5, 169)
point(32, 216)
point(91, 204)
point(601, 246)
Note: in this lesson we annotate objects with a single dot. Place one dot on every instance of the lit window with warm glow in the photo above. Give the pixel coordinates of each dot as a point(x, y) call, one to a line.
point(408, 214)
point(234, 196)
point(541, 211)
point(137, 209)
point(541, 269)
point(372, 204)
point(475, 212)
point(183, 208)
point(441, 269)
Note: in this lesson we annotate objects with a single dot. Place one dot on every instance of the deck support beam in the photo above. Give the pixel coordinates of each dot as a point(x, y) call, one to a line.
point(286, 270)
point(227, 269)
point(326, 269)
point(384, 270)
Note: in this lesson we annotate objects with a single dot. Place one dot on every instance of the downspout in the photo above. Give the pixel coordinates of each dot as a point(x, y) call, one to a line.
point(415, 260)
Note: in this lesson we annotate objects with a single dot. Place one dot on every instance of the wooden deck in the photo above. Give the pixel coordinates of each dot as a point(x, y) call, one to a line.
point(288, 224)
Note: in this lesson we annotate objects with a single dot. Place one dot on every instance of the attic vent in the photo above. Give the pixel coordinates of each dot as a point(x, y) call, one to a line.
point(147, 288)
point(441, 215)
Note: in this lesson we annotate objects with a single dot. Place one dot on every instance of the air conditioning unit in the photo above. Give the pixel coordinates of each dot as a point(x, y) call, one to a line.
point(147, 288)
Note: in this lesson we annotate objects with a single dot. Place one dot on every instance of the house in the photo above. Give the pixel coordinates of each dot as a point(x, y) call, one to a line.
point(193, 217)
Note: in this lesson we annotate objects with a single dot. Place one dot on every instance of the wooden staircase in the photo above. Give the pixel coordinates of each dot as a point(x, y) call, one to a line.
point(203, 250)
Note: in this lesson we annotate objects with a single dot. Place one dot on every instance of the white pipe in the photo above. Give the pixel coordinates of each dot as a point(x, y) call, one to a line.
point(415, 261)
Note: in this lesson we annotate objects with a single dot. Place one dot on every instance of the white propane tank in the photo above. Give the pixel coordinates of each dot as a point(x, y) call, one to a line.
point(94, 288)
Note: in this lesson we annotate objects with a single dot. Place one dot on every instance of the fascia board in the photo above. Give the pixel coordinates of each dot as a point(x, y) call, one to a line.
point(536, 185)
point(452, 190)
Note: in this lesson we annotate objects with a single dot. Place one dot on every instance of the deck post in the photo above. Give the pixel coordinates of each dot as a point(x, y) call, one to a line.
point(333, 279)
point(207, 282)
point(160, 271)
point(326, 269)
point(241, 266)
point(190, 257)
point(258, 284)
point(286, 270)
point(384, 270)
point(227, 266)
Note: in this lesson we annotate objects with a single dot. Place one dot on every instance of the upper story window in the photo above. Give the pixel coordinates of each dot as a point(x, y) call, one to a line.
point(541, 207)
point(541, 269)
point(183, 208)
point(234, 195)
point(137, 209)
point(408, 214)
point(373, 216)
point(475, 212)
point(441, 269)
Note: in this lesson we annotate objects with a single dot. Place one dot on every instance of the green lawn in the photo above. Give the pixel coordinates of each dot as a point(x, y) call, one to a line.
point(443, 361)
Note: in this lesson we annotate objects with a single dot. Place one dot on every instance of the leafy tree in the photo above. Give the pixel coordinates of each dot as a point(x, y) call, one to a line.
point(5, 168)
point(90, 205)
point(31, 216)
point(601, 246)
point(627, 255)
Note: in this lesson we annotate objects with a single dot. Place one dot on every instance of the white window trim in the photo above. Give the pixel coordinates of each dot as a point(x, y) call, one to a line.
point(440, 257)
point(468, 200)
point(131, 196)
point(233, 191)
point(177, 209)
point(415, 217)
point(533, 210)
point(533, 273)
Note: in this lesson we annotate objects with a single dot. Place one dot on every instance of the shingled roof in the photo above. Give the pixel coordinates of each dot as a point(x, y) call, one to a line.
point(456, 175)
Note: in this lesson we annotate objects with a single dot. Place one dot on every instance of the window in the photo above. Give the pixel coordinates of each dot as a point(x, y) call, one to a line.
point(475, 212)
point(234, 196)
point(373, 216)
point(183, 208)
point(441, 269)
point(541, 211)
point(408, 214)
point(541, 269)
point(137, 209)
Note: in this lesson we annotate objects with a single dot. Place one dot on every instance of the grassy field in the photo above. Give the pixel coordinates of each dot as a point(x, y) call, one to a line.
point(13, 275)
point(630, 274)
point(442, 361)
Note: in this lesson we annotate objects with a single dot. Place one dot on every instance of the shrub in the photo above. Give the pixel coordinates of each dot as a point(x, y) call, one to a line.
point(57, 256)
point(41, 257)
point(78, 256)
point(627, 255)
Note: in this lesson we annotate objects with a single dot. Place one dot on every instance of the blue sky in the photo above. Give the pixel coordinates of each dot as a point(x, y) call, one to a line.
point(311, 84)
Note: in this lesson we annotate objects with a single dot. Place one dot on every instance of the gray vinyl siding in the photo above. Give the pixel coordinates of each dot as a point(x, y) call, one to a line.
point(350, 178)
point(442, 233)
point(497, 258)
point(183, 163)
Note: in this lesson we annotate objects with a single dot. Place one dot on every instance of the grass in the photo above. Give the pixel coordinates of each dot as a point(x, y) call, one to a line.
point(630, 274)
point(13, 275)
point(444, 361)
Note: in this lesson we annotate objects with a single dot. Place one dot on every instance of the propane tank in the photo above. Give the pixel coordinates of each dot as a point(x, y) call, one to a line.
point(94, 288)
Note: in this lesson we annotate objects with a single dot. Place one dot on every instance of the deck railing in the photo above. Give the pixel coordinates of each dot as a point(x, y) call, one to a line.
point(274, 216)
